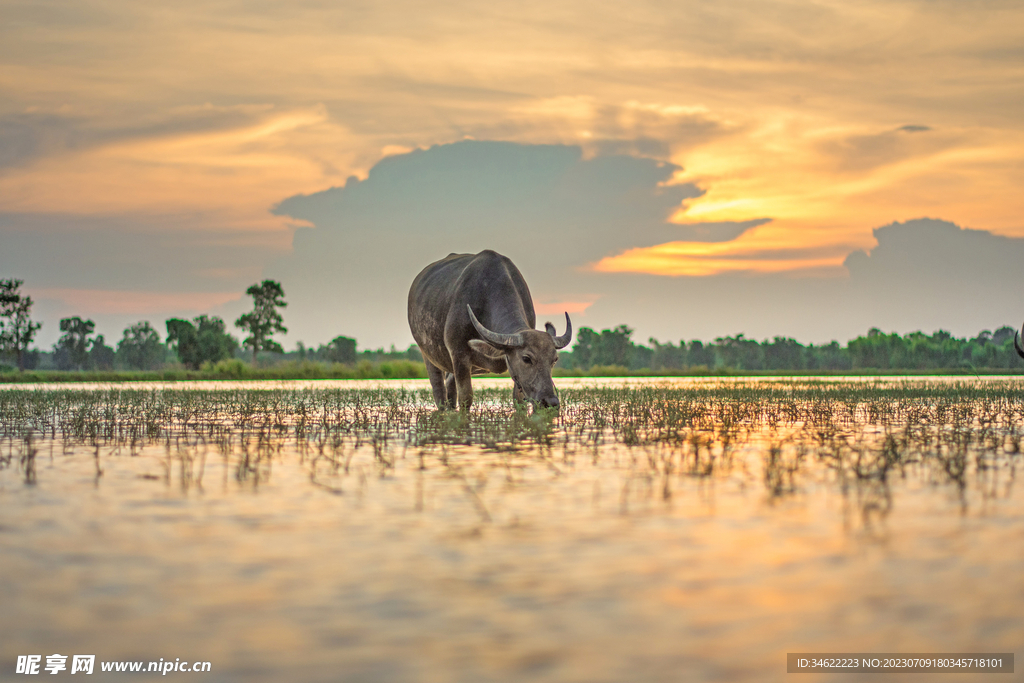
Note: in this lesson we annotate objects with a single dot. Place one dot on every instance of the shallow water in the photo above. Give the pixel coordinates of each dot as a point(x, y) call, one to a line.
point(580, 555)
point(494, 382)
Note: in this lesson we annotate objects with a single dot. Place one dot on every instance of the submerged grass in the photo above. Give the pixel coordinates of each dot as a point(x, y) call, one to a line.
point(859, 434)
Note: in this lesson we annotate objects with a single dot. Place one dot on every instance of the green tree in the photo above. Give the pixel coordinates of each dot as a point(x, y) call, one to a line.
point(829, 356)
point(1002, 335)
point(615, 347)
point(610, 347)
point(16, 327)
point(215, 343)
point(72, 349)
point(101, 356)
point(783, 353)
point(878, 350)
point(584, 351)
point(184, 341)
point(739, 352)
point(341, 350)
point(991, 350)
point(413, 353)
point(699, 354)
point(265, 320)
point(140, 348)
point(205, 340)
point(667, 356)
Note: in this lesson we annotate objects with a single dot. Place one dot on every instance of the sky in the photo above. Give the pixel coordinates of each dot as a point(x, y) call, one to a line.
point(694, 170)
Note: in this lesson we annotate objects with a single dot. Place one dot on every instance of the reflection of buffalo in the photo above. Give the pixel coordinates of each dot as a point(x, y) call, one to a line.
point(1016, 344)
point(473, 313)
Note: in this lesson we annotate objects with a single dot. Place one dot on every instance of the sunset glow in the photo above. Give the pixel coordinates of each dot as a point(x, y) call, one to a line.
point(826, 120)
point(758, 253)
point(560, 307)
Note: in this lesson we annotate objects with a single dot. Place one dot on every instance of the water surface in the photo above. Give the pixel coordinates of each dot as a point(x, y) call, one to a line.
point(696, 534)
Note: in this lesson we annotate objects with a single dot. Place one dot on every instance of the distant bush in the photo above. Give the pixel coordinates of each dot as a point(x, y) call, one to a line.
point(365, 370)
point(608, 371)
point(229, 368)
point(402, 369)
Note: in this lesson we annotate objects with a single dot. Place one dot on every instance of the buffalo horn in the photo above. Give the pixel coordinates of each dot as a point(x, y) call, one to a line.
point(1016, 344)
point(508, 340)
point(563, 341)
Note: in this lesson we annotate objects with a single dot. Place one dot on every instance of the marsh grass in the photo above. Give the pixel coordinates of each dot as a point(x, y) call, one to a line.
point(236, 369)
point(232, 369)
point(852, 436)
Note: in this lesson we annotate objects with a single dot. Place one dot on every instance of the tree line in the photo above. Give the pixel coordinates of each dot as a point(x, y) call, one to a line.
point(205, 341)
point(615, 349)
point(199, 343)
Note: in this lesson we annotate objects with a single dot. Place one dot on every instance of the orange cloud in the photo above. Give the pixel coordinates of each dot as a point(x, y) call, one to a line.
point(760, 252)
point(559, 307)
point(234, 172)
point(832, 132)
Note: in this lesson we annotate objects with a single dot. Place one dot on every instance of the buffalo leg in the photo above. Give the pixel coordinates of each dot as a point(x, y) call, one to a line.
point(436, 376)
point(451, 389)
point(464, 384)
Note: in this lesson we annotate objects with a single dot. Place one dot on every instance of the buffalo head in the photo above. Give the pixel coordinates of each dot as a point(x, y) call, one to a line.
point(529, 354)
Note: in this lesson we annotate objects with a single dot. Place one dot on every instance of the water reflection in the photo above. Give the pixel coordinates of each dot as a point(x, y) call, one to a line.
point(658, 531)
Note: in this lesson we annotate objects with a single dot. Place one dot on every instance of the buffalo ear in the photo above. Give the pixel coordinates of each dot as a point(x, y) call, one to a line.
point(485, 349)
point(551, 329)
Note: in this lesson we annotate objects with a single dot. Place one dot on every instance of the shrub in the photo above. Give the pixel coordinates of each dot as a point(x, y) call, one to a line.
point(231, 367)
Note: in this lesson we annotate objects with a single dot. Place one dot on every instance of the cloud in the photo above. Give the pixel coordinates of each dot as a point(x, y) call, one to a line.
point(923, 274)
point(545, 206)
point(24, 138)
point(861, 152)
point(932, 274)
point(646, 129)
point(780, 109)
point(696, 259)
point(830, 118)
point(555, 212)
point(716, 231)
point(930, 268)
point(205, 159)
point(28, 136)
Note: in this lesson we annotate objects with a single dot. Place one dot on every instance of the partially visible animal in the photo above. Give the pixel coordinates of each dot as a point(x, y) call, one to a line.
point(473, 313)
point(1016, 343)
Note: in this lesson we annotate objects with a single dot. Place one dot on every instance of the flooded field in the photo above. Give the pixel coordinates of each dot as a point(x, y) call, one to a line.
point(687, 530)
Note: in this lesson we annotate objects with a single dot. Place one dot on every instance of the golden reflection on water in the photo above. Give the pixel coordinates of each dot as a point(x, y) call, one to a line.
point(453, 562)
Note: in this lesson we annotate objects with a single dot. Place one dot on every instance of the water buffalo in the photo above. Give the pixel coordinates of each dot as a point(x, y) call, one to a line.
point(1016, 344)
point(473, 313)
